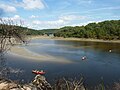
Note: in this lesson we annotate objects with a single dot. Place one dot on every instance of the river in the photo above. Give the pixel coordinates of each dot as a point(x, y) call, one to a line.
point(99, 62)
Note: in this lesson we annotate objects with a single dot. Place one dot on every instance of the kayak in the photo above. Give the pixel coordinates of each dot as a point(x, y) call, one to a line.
point(38, 72)
point(84, 57)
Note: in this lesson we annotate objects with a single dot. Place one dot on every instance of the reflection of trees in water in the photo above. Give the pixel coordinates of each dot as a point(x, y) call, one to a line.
point(96, 46)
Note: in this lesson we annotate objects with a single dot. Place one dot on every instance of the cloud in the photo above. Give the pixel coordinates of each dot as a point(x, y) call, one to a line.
point(30, 4)
point(56, 22)
point(15, 20)
point(35, 24)
point(104, 8)
point(34, 16)
point(8, 8)
point(49, 24)
point(84, 1)
point(95, 10)
point(84, 23)
point(72, 17)
point(16, 17)
point(60, 22)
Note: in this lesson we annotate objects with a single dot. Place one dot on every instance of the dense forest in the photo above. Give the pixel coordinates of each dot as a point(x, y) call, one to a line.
point(21, 29)
point(34, 32)
point(49, 31)
point(107, 30)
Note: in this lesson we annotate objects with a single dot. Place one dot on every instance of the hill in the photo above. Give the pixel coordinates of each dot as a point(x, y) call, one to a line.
point(49, 31)
point(107, 30)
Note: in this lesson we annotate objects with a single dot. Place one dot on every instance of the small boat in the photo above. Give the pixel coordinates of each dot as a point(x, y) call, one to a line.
point(38, 72)
point(110, 50)
point(84, 57)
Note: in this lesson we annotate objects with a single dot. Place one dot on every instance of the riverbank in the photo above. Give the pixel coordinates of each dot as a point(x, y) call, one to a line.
point(40, 83)
point(74, 39)
point(88, 40)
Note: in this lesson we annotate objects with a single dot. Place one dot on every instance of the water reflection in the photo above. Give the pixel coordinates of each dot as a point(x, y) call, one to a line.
point(100, 62)
point(115, 47)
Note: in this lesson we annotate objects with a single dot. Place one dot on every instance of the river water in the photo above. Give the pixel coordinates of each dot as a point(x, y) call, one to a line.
point(100, 63)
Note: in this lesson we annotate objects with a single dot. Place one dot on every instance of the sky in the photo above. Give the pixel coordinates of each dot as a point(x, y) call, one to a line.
point(47, 14)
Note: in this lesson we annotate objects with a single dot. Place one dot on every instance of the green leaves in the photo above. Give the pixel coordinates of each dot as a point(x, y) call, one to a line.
point(107, 30)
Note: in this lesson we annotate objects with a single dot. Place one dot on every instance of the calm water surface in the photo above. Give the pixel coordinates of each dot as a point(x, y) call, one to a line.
point(99, 63)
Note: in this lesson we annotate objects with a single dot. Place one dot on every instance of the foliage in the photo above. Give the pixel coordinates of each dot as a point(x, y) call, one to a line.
point(41, 32)
point(48, 31)
point(10, 34)
point(34, 32)
point(107, 30)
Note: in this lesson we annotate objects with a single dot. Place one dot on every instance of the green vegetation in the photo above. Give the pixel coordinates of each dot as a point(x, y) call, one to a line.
point(29, 31)
point(49, 31)
point(26, 30)
point(34, 32)
point(107, 30)
point(10, 35)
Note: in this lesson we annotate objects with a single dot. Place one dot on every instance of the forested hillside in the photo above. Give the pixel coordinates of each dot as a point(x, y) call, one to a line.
point(107, 30)
point(49, 31)
point(26, 30)
point(34, 32)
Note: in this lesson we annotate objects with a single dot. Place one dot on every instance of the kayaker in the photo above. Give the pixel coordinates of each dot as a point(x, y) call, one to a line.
point(38, 72)
point(110, 50)
point(84, 57)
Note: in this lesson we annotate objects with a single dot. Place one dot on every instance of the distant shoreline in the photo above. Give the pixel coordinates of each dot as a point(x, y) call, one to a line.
point(89, 40)
point(75, 39)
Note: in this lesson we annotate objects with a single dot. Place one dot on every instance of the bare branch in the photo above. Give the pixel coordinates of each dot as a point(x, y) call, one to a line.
point(11, 33)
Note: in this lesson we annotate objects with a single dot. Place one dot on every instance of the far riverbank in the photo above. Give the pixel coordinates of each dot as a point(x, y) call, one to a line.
point(75, 39)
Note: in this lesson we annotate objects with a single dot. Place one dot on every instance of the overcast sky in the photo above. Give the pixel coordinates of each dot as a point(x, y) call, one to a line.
point(42, 14)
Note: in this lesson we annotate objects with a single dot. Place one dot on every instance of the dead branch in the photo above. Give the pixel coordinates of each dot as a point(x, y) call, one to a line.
point(11, 33)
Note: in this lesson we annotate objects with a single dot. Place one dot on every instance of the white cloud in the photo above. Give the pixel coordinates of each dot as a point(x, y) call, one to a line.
point(15, 17)
point(95, 10)
point(40, 24)
point(83, 23)
point(34, 16)
point(60, 22)
point(8, 8)
point(84, 1)
point(35, 24)
point(32, 4)
point(72, 17)
point(49, 24)
point(15, 20)
point(105, 8)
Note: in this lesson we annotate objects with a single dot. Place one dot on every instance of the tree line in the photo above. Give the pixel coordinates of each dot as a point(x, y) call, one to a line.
point(107, 30)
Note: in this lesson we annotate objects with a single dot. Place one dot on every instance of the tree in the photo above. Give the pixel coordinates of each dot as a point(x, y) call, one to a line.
point(107, 30)
point(10, 33)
